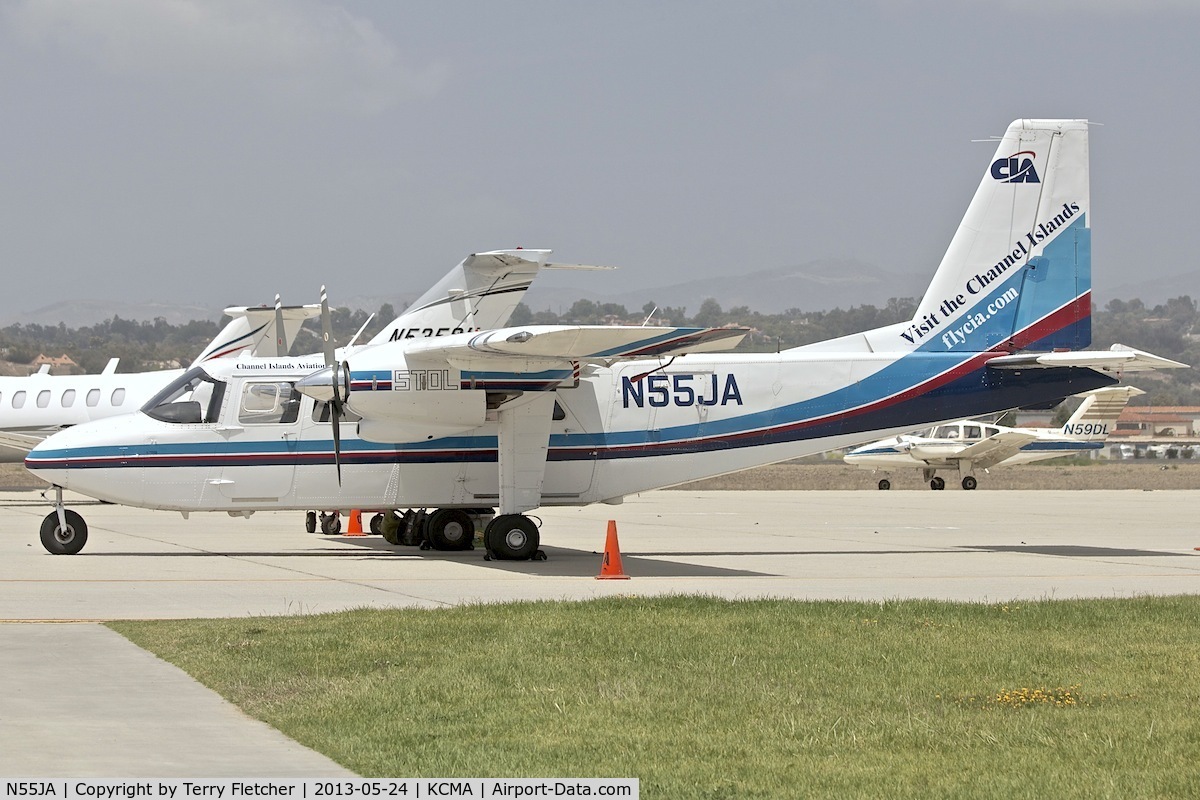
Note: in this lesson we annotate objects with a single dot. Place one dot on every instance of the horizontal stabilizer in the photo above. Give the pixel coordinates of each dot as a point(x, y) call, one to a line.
point(1119, 359)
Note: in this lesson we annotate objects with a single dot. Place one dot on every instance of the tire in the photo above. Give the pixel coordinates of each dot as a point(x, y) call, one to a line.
point(884, 484)
point(64, 543)
point(377, 525)
point(331, 524)
point(310, 522)
point(450, 529)
point(512, 537)
point(969, 482)
point(937, 484)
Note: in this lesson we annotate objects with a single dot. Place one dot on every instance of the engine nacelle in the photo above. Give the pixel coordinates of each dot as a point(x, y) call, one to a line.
point(417, 416)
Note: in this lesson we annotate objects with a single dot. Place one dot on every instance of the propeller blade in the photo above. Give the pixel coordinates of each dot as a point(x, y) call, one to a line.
point(335, 413)
point(280, 332)
point(335, 403)
point(326, 329)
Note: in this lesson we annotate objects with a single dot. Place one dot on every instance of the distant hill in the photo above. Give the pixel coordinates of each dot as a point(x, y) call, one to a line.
point(813, 286)
point(1153, 292)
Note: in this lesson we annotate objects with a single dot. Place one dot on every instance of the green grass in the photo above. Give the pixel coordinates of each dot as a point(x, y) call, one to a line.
point(704, 698)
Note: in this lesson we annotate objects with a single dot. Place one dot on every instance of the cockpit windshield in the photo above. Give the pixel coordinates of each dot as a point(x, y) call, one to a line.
point(193, 398)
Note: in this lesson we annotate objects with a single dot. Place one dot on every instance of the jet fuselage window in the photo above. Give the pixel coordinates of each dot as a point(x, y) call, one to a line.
point(93, 398)
point(191, 399)
point(19, 399)
point(43, 398)
point(118, 397)
point(68, 398)
point(269, 403)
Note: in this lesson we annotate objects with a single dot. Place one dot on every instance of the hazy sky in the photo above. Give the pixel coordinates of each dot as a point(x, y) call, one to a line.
point(218, 151)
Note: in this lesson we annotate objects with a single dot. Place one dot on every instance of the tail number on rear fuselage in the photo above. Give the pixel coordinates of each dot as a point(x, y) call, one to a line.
point(1086, 429)
point(680, 390)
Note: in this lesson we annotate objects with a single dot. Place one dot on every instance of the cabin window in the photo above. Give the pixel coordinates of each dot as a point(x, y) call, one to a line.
point(43, 398)
point(19, 399)
point(971, 432)
point(68, 398)
point(191, 399)
point(269, 403)
point(118, 397)
point(320, 413)
point(93, 398)
point(945, 432)
point(988, 431)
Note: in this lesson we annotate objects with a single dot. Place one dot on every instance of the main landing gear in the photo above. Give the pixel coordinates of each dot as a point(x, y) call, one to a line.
point(512, 537)
point(63, 533)
point(938, 483)
point(507, 537)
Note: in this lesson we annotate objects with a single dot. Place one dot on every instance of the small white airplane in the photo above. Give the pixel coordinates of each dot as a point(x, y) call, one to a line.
point(518, 417)
point(970, 445)
point(34, 406)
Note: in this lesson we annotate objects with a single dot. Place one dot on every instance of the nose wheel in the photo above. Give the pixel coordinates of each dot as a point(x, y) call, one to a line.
point(64, 539)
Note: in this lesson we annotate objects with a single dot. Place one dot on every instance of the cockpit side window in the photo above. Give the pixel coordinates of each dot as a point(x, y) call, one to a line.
point(269, 403)
point(191, 399)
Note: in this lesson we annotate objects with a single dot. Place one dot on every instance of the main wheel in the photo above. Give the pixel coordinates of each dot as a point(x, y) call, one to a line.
point(884, 484)
point(310, 521)
point(969, 482)
point(512, 537)
point(64, 542)
point(377, 525)
point(450, 529)
point(937, 484)
point(331, 524)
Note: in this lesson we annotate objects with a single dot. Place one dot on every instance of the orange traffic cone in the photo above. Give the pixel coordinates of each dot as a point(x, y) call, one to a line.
point(355, 528)
point(610, 567)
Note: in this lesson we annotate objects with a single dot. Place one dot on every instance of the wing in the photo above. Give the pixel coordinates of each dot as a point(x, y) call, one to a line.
point(537, 348)
point(994, 449)
point(15, 446)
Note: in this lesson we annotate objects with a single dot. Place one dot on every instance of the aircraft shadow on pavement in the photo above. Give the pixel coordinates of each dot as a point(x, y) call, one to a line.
point(563, 562)
point(1073, 551)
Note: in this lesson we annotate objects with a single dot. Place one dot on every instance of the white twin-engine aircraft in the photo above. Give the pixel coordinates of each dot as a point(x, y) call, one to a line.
point(970, 445)
point(518, 417)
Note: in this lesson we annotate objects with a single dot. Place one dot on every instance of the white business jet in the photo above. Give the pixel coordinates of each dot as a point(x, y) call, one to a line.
point(519, 417)
point(970, 445)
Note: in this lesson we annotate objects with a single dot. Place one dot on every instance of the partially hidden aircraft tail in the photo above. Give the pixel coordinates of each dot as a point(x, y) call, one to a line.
point(478, 294)
point(1017, 274)
point(1097, 415)
point(255, 331)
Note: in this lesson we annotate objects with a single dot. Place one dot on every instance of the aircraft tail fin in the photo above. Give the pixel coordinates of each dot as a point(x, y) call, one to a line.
point(1097, 415)
point(1017, 273)
point(480, 293)
point(253, 330)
